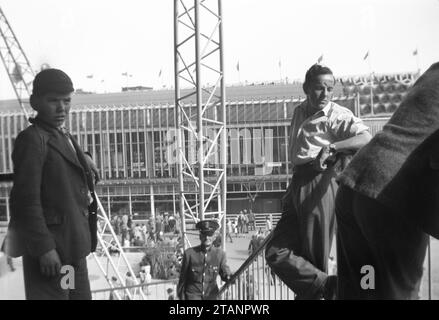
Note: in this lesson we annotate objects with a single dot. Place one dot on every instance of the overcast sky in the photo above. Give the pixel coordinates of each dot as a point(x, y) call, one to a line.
point(106, 38)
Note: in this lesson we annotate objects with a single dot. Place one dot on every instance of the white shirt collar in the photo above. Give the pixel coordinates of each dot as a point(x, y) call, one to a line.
point(325, 110)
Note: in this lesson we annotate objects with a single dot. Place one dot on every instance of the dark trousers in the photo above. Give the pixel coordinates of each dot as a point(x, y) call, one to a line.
point(299, 249)
point(39, 287)
point(370, 235)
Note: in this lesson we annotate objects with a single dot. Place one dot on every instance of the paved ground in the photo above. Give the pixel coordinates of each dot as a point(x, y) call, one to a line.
point(12, 284)
point(12, 287)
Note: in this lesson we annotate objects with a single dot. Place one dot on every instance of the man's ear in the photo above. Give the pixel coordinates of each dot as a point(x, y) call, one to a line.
point(305, 88)
point(34, 102)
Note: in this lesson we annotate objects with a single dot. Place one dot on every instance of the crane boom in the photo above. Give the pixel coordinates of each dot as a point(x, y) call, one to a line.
point(16, 64)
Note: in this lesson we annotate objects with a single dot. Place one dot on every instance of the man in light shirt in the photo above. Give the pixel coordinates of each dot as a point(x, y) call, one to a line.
point(322, 133)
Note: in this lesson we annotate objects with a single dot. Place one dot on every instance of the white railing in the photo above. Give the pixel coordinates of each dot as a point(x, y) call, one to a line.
point(254, 280)
point(157, 290)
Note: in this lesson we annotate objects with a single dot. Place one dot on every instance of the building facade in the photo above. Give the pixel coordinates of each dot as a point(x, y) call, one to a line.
point(133, 142)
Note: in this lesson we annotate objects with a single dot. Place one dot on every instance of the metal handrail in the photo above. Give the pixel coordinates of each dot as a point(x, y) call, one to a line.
point(136, 286)
point(246, 281)
point(139, 291)
point(255, 280)
point(246, 263)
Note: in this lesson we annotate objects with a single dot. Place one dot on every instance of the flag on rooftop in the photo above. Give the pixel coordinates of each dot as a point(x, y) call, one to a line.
point(90, 76)
point(366, 55)
point(237, 66)
point(160, 73)
point(125, 74)
point(415, 53)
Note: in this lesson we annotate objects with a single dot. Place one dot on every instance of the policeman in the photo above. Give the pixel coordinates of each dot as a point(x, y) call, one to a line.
point(201, 266)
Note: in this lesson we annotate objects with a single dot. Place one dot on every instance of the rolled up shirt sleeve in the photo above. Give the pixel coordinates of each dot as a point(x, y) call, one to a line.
point(344, 125)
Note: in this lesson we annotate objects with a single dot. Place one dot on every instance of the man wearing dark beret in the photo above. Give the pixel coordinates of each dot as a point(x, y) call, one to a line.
point(201, 265)
point(51, 225)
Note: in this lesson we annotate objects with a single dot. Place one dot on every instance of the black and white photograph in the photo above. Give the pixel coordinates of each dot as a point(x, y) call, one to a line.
point(244, 152)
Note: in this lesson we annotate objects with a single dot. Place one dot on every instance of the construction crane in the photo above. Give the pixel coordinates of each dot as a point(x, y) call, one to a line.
point(16, 64)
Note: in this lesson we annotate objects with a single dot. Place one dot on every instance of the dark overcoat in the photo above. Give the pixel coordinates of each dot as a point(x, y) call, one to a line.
point(49, 199)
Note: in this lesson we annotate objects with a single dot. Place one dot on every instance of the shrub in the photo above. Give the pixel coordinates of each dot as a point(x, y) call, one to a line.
point(163, 261)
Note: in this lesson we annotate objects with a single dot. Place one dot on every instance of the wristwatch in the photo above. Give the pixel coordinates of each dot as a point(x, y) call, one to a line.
point(332, 148)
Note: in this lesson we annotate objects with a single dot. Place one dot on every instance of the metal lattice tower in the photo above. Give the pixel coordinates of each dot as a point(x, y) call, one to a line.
point(198, 53)
point(117, 265)
point(16, 63)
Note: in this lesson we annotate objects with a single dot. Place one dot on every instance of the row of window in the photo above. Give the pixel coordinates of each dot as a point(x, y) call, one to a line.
point(142, 142)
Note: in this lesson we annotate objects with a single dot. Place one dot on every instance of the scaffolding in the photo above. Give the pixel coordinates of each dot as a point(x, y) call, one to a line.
point(198, 53)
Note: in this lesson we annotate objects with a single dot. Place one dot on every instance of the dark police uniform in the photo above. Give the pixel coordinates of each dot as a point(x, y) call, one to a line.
point(200, 269)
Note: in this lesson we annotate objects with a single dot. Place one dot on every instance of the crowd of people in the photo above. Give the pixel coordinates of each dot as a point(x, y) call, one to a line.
point(134, 234)
point(243, 223)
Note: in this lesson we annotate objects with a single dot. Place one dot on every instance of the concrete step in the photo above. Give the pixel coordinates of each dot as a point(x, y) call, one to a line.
point(260, 220)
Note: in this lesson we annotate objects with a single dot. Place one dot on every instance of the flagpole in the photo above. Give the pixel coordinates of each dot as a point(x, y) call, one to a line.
point(160, 81)
point(280, 70)
point(418, 65)
point(371, 82)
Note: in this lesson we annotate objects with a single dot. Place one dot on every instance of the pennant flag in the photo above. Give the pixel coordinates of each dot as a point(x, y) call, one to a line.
point(366, 55)
point(320, 59)
point(237, 66)
point(90, 76)
point(160, 73)
point(415, 53)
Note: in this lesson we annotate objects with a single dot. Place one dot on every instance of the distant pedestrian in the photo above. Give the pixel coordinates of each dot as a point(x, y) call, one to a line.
point(268, 224)
point(115, 284)
point(229, 230)
point(253, 245)
point(129, 282)
point(252, 221)
point(170, 292)
point(10, 263)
